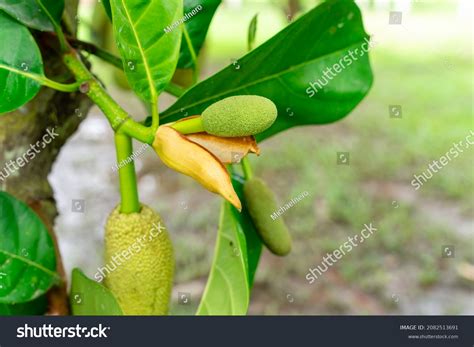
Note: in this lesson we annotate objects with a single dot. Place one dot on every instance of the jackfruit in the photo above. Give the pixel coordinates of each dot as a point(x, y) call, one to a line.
point(261, 204)
point(240, 115)
point(140, 263)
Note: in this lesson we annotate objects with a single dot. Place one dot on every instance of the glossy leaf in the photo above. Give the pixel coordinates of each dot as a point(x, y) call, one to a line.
point(27, 258)
point(90, 298)
point(33, 13)
point(227, 290)
point(149, 50)
point(282, 68)
point(20, 59)
point(197, 27)
point(34, 307)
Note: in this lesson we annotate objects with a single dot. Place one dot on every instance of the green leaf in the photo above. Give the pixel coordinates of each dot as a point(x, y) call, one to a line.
point(200, 14)
point(252, 32)
point(27, 258)
point(149, 53)
point(227, 290)
point(252, 240)
point(35, 307)
point(107, 8)
point(282, 68)
point(32, 12)
point(90, 298)
point(21, 65)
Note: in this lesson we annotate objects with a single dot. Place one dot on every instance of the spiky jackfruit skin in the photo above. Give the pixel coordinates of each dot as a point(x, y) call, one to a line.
point(261, 204)
point(240, 115)
point(142, 281)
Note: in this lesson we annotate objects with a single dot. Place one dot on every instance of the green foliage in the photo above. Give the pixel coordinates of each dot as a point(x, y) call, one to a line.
point(20, 60)
point(36, 14)
point(281, 70)
point(151, 45)
point(236, 258)
point(149, 53)
point(197, 27)
point(27, 258)
point(227, 291)
point(253, 242)
point(90, 298)
point(34, 307)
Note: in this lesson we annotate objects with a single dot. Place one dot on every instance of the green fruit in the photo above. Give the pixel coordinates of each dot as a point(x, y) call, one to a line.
point(241, 115)
point(140, 263)
point(261, 204)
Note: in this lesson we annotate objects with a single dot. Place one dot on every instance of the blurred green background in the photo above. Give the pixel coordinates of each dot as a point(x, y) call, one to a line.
point(424, 66)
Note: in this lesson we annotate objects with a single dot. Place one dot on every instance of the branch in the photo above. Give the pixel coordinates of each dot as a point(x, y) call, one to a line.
point(117, 116)
point(112, 59)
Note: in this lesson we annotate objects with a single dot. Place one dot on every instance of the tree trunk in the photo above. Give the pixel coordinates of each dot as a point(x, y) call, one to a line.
point(53, 110)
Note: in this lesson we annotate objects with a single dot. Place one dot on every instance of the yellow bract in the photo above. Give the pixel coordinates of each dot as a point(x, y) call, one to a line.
point(229, 150)
point(191, 159)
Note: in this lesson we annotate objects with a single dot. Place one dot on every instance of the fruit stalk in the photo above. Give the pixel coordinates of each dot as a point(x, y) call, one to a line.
point(128, 180)
point(246, 168)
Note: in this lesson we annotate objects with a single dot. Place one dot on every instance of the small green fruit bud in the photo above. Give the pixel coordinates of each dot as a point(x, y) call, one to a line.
point(241, 115)
point(261, 204)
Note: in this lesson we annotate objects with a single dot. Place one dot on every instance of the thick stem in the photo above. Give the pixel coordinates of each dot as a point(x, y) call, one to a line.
point(118, 118)
point(128, 179)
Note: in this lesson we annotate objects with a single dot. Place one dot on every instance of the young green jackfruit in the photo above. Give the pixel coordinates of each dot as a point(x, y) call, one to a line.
point(261, 204)
point(139, 255)
point(240, 115)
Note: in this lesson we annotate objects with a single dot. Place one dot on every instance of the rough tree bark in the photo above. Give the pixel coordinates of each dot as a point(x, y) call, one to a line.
point(27, 125)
